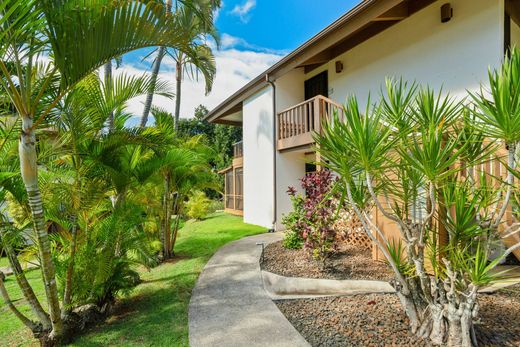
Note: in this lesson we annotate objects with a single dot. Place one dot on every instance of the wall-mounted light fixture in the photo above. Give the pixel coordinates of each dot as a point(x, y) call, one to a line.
point(446, 12)
point(339, 66)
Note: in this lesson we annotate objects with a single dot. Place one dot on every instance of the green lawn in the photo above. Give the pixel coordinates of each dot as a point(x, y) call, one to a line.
point(4, 262)
point(156, 312)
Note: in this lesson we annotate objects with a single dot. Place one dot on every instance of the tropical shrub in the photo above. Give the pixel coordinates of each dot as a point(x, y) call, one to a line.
point(198, 205)
point(292, 238)
point(216, 205)
point(313, 215)
point(417, 157)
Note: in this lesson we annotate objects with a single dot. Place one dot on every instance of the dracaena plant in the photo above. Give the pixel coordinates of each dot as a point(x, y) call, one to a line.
point(417, 157)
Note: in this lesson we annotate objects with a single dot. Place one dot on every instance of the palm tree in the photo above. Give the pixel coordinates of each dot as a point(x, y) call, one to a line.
point(197, 18)
point(183, 167)
point(107, 69)
point(80, 118)
point(70, 31)
point(10, 183)
point(203, 62)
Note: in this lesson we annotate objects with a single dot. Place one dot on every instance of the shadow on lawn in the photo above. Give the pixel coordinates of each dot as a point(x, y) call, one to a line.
point(153, 317)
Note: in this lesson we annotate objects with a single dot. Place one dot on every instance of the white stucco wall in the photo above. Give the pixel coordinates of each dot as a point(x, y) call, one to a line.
point(290, 168)
point(258, 158)
point(453, 55)
point(290, 89)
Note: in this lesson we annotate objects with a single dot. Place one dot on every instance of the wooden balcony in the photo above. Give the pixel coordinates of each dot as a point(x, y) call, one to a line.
point(297, 124)
point(238, 154)
point(238, 150)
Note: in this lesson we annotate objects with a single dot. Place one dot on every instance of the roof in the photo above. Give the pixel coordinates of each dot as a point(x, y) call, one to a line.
point(365, 20)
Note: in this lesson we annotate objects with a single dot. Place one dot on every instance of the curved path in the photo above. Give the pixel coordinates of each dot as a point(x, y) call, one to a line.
point(229, 306)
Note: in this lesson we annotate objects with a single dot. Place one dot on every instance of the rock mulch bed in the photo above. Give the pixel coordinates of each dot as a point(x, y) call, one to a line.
point(360, 320)
point(499, 317)
point(378, 320)
point(350, 262)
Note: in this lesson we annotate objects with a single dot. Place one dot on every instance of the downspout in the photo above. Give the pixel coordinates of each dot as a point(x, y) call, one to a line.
point(273, 86)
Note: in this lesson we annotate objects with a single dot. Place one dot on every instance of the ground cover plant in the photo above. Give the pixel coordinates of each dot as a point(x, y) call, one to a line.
point(418, 156)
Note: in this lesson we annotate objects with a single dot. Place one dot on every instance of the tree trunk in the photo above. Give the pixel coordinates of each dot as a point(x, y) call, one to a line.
point(176, 211)
point(108, 86)
point(25, 287)
point(178, 90)
point(155, 72)
point(5, 295)
point(29, 171)
point(149, 97)
point(166, 219)
point(67, 294)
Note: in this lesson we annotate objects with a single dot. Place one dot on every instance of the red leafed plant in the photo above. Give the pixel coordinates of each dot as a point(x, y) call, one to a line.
point(316, 214)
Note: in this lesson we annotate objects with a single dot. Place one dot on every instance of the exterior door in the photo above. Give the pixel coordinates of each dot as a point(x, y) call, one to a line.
point(317, 85)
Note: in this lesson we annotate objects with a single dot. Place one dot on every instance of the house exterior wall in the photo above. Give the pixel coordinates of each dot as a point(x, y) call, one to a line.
point(290, 169)
point(258, 158)
point(453, 55)
point(290, 89)
point(290, 166)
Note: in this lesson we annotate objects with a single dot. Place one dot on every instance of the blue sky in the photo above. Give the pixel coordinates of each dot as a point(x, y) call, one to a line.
point(280, 25)
point(254, 35)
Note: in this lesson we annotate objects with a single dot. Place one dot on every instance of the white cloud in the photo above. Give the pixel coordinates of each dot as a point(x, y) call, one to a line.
point(216, 13)
point(234, 69)
point(242, 11)
point(229, 41)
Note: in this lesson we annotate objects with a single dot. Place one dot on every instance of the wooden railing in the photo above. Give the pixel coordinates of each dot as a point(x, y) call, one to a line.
point(297, 124)
point(238, 150)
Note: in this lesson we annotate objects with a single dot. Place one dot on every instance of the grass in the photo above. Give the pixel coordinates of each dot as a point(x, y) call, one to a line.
point(156, 312)
point(4, 262)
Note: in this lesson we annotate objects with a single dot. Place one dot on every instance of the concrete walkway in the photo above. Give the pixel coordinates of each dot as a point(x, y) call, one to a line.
point(229, 306)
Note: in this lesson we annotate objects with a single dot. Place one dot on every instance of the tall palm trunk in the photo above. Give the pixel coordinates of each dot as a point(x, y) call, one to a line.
point(155, 73)
point(149, 97)
point(176, 212)
point(25, 287)
point(178, 89)
point(108, 85)
point(67, 293)
point(5, 295)
point(29, 171)
point(166, 219)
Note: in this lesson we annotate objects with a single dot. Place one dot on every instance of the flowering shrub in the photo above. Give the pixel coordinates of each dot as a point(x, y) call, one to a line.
point(314, 214)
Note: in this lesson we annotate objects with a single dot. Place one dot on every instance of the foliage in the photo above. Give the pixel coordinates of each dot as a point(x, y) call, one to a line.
point(292, 221)
point(50, 52)
point(197, 19)
point(160, 302)
point(221, 137)
point(198, 205)
point(314, 214)
point(292, 239)
point(417, 156)
point(216, 206)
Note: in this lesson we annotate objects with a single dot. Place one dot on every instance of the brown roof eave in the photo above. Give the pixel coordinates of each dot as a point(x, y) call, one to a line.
point(260, 81)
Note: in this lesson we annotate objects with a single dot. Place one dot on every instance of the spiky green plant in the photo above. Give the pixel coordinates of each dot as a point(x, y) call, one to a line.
point(414, 155)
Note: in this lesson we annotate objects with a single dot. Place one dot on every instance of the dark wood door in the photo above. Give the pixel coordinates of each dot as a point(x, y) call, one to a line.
point(317, 85)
